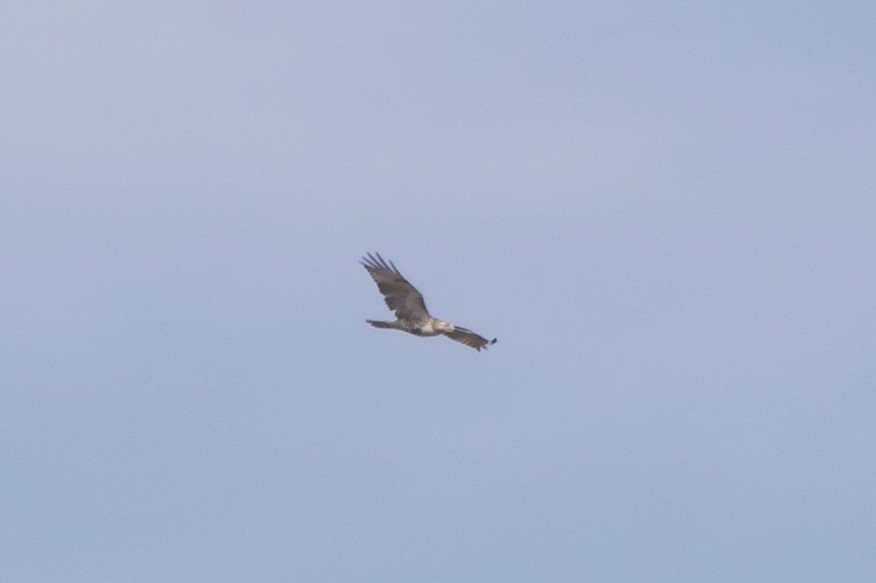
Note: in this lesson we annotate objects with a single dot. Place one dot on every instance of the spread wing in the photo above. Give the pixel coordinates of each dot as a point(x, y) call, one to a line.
point(469, 338)
point(398, 292)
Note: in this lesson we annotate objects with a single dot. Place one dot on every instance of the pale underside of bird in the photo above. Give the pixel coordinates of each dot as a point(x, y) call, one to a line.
point(410, 309)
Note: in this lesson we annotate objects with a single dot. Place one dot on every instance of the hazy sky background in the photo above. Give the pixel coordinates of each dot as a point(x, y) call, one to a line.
point(666, 212)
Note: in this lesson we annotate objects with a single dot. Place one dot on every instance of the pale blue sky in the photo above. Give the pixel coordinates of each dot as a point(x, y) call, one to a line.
point(665, 211)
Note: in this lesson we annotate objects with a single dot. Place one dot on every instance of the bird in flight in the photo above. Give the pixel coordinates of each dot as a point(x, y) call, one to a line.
point(410, 309)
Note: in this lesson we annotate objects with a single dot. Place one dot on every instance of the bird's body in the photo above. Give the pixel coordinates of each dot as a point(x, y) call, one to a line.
point(410, 308)
point(418, 328)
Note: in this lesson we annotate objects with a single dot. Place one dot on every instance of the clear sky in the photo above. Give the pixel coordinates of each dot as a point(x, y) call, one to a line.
point(666, 212)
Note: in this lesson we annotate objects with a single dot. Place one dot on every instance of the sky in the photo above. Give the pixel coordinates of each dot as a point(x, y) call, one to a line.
point(665, 211)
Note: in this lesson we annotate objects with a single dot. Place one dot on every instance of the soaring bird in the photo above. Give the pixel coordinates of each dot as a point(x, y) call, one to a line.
point(410, 309)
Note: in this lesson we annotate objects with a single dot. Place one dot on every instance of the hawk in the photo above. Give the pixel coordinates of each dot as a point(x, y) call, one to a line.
point(410, 309)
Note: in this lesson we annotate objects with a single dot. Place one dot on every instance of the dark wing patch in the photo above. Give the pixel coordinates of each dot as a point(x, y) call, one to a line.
point(470, 338)
point(399, 294)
